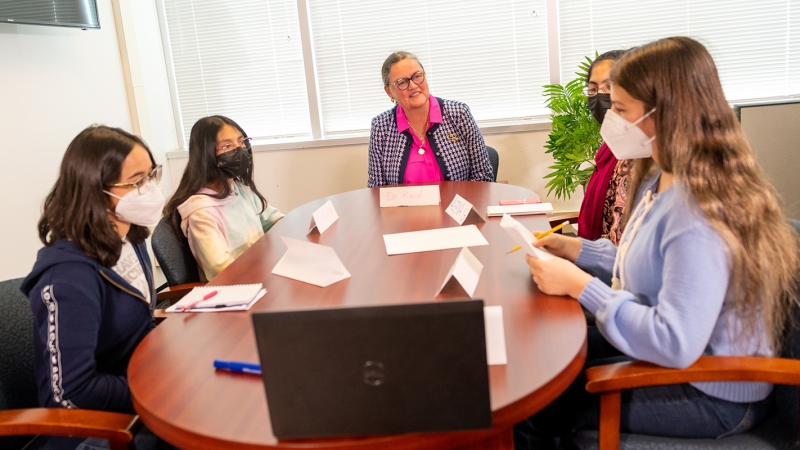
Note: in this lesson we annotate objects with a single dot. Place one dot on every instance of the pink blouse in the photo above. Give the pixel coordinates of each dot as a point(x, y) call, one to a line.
point(421, 168)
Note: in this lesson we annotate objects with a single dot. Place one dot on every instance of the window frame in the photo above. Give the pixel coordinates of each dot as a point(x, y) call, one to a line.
point(319, 139)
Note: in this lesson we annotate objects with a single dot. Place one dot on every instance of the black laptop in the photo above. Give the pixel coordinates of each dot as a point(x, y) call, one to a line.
point(375, 370)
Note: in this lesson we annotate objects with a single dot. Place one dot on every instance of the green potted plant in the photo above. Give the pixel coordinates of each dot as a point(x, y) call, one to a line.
point(574, 137)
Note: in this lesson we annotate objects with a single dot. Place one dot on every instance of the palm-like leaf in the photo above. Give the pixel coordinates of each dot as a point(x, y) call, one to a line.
point(574, 137)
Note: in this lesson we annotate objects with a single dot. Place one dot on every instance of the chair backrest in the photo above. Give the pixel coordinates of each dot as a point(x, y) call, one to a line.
point(494, 160)
point(786, 397)
point(174, 257)
point(17, 379)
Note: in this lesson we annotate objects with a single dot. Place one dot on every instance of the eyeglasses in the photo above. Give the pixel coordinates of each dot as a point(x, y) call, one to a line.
point(592, 91)
point(143, 184)
point(403, 83)
point(244, 142)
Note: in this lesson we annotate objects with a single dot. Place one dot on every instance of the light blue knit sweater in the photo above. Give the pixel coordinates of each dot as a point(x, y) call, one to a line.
point(673, 308)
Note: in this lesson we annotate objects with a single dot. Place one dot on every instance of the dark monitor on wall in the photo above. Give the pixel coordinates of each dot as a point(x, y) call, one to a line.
point(62, 13)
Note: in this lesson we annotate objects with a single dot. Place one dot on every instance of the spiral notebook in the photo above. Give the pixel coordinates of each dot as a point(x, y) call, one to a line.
point(238, 297)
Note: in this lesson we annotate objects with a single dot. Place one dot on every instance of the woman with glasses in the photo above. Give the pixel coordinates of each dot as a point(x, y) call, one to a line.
point(423, 138)
point(91, 289)
point(607, 190)
point(708, 263)
point(217, 205)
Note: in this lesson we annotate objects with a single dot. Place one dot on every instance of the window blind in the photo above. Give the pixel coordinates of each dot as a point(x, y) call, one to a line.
point(490, 55)
point(755, 45)
point(239, 59)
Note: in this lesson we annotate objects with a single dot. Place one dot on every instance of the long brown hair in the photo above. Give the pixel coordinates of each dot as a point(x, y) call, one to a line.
point(77, 208)
point(699, 140)
point(202, 170)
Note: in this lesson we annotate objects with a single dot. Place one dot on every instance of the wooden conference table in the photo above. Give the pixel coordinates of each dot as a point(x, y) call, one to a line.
point(179, 395)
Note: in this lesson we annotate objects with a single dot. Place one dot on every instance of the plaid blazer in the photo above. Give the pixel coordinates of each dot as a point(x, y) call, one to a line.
point(457, 144)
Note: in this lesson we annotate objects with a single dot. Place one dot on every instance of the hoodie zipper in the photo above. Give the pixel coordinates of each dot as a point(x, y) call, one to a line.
point(121, 287)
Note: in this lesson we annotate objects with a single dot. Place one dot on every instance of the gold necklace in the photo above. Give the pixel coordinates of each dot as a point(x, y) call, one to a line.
point(421, 137)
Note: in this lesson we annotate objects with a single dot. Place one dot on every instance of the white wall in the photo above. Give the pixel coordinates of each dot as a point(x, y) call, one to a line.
point(54, 82)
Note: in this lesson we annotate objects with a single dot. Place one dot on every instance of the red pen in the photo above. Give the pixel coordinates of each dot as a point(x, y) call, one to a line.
point(193, 304)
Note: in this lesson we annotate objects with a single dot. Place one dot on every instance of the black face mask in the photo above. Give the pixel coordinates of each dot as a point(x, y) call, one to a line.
point(598, 105)
point(234, 163)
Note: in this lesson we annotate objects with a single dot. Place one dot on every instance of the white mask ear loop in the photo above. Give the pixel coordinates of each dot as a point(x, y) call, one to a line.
point(618, 282)
point(633, 124)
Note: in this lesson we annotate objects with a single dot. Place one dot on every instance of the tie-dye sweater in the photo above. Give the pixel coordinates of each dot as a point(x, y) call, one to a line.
point(219, 230)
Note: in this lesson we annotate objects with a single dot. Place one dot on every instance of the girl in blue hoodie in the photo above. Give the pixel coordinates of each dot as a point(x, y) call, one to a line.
point(91, 289)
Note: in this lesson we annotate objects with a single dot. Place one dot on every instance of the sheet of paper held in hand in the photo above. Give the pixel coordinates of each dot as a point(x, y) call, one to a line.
point(437, 239)
point(523, 238)
point(410, 196)
point(310, 263)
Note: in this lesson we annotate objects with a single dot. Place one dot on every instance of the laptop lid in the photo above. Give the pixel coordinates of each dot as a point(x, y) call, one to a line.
point(375, 370)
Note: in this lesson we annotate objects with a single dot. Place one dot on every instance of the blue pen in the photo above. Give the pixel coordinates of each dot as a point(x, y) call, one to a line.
point(238, 366)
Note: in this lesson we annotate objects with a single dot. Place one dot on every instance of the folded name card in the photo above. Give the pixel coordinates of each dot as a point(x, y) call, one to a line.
point(324, 217)
point(310, 263)
point(410, 196)
point(462, 279)
point(463, 212)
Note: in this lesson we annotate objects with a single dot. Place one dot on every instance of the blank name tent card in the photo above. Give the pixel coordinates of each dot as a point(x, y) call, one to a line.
point(310, 263)
point(462, 279)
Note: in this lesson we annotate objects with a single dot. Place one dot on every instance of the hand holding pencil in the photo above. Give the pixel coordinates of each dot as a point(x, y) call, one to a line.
point(541, 235)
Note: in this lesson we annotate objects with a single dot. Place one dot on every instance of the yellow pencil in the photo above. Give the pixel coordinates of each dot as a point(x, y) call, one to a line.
point(541, 235)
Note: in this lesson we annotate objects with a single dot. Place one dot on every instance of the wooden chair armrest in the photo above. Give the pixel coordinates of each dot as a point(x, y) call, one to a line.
point(175, 293)
point(610, 379)
point(629, 375)
point(118, 428)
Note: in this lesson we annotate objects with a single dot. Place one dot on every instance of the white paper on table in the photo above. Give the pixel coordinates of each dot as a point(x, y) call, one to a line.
point(495, 335)
point(465, 272)
point(410, 196)
point(436, 239)
point(310, 263)
point(524, 238)
point(463, 211)
point(518, 210)
point(323, 217)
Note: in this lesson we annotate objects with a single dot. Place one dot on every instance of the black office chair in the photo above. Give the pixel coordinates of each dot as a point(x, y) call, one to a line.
point(174, 256)
point(21, 420)
point(494, 160)
point(779, 431)
point(177, 263)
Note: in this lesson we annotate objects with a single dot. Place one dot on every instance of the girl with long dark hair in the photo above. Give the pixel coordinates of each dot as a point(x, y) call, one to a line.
point(217, 206)
point(91, 289)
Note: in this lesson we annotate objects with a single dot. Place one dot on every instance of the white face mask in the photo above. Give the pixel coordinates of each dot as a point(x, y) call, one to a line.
point(625, 139)
point(140, 209)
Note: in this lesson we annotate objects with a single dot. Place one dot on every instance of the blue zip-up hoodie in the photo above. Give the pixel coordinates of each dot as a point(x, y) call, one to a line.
point(87, 322)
